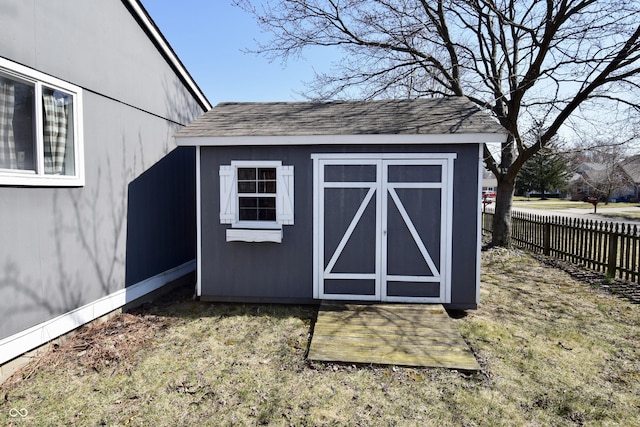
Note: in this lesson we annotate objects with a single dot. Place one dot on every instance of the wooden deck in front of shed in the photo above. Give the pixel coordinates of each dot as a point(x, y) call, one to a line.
point(389, 334)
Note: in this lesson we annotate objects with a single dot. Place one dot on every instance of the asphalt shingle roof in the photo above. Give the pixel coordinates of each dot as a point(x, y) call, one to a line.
point(387, 117)
point(632, 167)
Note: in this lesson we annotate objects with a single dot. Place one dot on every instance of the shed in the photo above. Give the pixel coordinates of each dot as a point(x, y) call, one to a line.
point(351, 200)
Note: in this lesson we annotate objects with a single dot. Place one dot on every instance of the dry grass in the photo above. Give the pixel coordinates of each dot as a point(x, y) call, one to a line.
point(554, 351)
point(552, 204)
point(634, 216)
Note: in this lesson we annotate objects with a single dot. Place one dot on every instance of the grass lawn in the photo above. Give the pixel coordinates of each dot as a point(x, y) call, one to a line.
point(534, 203)
point(554, 352)
point(625, 215)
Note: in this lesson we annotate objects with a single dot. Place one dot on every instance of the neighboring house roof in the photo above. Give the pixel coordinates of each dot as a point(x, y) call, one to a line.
point(631, 167)
point(443, 116)
point(591, 166)
point(596, 175)
point(152, 30)
point(575, 177)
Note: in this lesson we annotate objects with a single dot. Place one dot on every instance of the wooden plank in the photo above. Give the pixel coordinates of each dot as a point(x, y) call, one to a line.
point(396, 334)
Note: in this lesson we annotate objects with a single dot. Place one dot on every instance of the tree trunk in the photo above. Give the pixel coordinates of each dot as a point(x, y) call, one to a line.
point(502, 217)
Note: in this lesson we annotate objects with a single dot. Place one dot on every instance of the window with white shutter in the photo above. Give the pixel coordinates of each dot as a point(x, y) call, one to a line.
point(257, 199)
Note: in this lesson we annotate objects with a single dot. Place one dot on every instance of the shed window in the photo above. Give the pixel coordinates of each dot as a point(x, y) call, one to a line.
point(256, 194)
point(40, 137)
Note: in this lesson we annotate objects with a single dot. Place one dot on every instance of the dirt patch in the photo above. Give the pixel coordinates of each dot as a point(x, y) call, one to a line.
point(100, 346)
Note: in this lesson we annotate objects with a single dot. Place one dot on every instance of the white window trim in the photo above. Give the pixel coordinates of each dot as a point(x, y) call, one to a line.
point(256, 231)
point(11, 177)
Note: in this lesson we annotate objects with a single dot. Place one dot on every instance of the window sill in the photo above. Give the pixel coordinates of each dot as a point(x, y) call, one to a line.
point(33, 180)
point(245, 235)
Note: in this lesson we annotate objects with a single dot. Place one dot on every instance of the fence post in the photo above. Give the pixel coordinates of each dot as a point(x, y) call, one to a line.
point(546, 237)
point(613, 252)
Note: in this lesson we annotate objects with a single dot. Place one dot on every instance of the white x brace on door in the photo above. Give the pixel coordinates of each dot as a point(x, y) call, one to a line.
point(382, 226)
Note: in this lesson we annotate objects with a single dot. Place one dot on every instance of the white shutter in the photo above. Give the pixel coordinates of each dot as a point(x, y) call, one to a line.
point(285, 204)
point(227, 194)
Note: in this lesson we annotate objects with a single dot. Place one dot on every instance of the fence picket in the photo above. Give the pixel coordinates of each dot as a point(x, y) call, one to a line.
point(598, 245)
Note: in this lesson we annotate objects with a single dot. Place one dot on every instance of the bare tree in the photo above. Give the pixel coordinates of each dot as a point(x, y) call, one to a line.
point(556, 63)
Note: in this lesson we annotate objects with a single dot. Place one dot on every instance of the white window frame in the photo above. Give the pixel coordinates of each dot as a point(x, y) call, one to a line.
point(12, 177)
point(254, 231)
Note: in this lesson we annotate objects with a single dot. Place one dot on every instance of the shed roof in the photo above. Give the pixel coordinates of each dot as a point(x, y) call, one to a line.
point(442, 116)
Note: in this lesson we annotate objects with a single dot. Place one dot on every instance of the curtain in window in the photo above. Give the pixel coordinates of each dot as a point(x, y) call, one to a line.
point(55, 132)
point(7, 141)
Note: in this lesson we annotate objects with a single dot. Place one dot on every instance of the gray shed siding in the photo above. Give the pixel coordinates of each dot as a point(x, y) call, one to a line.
point(271, 272)
point(161, 227)
point(63, 248)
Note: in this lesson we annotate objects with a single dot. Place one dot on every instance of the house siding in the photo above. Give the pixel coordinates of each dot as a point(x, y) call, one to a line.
point(284, 272)
point(63, 248)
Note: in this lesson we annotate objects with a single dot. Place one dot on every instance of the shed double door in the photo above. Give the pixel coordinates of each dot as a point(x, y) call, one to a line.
point(382, 227)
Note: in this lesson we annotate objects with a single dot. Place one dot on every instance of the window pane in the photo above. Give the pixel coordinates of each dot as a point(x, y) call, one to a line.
point(267, 208)
point(257, 180)
point(257, 209)
point(267, 180)
point(267, 174)
point(248, 214)
point(248, 202)
point(17, 136)
point(245, 174)
point(248, 209)
point(267, 187)
point(57, 118)
point(267, 202)
point(267, 214)
point(247, 187)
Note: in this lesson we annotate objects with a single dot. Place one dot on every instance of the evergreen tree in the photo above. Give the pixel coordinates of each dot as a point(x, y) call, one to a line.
point(546, 171)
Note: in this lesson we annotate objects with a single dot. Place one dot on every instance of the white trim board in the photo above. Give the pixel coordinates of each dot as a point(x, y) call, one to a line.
point(29, 339)
point(198, 225)
point(479, 222)
point(226, 141)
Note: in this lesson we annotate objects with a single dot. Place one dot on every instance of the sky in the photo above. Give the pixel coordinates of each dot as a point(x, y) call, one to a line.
point(209, 35)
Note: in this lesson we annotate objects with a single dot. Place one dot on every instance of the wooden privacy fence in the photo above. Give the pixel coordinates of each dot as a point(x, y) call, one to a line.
point(611, 248)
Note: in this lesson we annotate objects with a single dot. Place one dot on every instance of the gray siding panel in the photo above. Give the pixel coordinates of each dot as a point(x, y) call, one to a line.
point(98, 46)
point(246, 271)
point(62, 248)
point(256, 270)
point(161, 219)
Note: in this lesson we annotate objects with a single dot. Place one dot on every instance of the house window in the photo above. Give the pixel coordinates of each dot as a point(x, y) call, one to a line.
point(256, 195)
point(40, 137)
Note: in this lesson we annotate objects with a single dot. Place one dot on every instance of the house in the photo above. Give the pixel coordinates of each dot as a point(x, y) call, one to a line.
point(607, 181)
point(360, 200)
point(631, 167)
point(98, 204)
